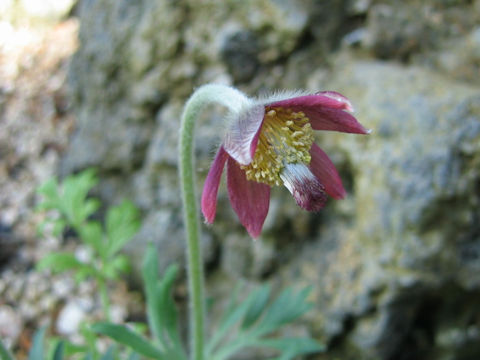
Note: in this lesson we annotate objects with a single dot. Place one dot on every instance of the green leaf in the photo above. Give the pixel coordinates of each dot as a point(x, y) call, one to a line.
point(291, 347)
point(258, 319)
point(288, 306)
point(58, 226)
point(122, 222)
point(70, 199)
point(233, 301)
point(233, 316)
point(86, 271)
point(161, 310)
point(91, 234)
point(257, 304)
point(90, 206)
point(58, 262)
point(119, 264)
point(90, 338)
point(75, 189)
point(88, 356)
point(72, 349)
point(109, 354)
point(59, 350)
point(133, 356)
point(127, 337)
point(49, 192)
point(4, 353)
point(37, 350)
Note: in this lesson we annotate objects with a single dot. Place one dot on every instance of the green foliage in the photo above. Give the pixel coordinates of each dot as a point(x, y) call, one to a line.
point(70, 198)
point(4, 352)
point(60, 350)
point(246, 324)
point(73, 208)
point(251, 323)
point(38, 351)
point(130, 338)
point(161, 312)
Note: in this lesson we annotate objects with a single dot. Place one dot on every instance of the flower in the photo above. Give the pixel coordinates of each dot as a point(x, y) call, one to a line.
point(270, 142)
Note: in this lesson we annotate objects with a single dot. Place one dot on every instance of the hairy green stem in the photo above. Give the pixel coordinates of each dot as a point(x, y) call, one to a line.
point(204, 95)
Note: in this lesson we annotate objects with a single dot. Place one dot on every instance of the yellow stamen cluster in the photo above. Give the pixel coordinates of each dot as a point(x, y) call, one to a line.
point(286, 137)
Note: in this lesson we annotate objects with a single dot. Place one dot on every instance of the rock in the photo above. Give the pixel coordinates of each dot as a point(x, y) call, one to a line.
point(328, 21)
point(390, 261)
point(10, 325)
point(70, 317)
point(239, 51)
point(247, 258)
point(133, 59)
point(8, 243)
point(399, 30)
point(387, 283)
point(446, 59)
point(49, 9)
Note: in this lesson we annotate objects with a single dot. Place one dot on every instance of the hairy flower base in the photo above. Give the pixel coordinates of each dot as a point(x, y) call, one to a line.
point(285, 138)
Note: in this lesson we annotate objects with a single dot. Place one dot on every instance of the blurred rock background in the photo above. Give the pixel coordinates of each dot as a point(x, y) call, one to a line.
point(395, 266)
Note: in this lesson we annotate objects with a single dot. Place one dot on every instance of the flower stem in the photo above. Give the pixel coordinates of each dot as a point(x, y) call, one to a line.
point(204, 95)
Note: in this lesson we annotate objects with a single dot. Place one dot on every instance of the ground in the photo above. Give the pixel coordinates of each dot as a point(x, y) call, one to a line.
point(35, 123)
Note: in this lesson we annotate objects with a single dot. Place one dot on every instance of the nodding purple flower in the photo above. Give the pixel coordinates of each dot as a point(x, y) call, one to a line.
point(270, 142)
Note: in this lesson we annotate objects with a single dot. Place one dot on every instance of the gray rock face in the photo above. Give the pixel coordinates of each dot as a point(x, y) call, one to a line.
point(399, 31)
point(411, 253)
point(395, 265)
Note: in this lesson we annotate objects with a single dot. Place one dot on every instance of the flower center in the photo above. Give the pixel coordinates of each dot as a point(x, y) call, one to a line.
point(285, 138)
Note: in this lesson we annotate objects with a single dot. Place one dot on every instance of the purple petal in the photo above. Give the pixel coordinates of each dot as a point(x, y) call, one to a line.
point(306, 189)
point(328, 99)
point(334, 120)
point(249, 199)
point(241, 139)
point(210, 189)
point(339, 97)
point(324, 170)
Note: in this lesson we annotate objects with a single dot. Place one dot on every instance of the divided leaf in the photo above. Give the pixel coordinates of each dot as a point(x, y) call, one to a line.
point(37, 350)
point(91, 234)
point(291, 347)
point(287, 307)
point(58, 262)
point(122, 223)
point(127, 337)
point(119, 264)
point(51, 199)
point(70, 198)
point(162, 313)
point(74, 192)
point(109, 354)
point(257, 304)
point(247, 324)
point(59, 351)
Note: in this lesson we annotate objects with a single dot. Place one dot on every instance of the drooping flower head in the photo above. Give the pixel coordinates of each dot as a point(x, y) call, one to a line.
point(270, 142)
